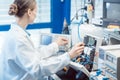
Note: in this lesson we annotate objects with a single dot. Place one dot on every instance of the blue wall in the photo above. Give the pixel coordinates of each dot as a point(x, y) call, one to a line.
point(60, 10)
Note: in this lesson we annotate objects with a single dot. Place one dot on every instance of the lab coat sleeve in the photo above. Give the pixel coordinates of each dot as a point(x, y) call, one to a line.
point(49, 50)
point(54, 64)
point(28, 59)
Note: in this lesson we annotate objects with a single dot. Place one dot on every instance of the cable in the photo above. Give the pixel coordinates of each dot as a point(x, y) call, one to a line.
point(76, 9)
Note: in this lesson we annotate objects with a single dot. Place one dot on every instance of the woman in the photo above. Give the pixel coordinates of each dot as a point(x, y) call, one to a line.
point(21, 60)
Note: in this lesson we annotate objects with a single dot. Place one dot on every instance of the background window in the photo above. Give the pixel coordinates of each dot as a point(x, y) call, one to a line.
point(76, 11)
point(43, 14)
point(44, 9)
point(4, 17)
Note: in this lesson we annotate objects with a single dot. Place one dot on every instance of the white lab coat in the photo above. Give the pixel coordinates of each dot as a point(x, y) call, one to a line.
point(23, 62)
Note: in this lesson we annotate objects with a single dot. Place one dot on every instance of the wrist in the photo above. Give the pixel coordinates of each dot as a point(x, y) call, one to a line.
point(57, 43)
point(70, 54)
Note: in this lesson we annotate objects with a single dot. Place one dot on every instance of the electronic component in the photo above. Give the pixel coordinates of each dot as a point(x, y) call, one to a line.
point(93, 43)
point(77, 66)
point(97, 75)
point(111, 12)
point(97, 21)
point(112, 64)
point(47, 38)
point(102, 54)
point(86, 59)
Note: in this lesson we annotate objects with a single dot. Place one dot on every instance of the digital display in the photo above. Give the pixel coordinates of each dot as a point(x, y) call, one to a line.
point(45, 39)
point(101, 54)
point(90, 41)
point(113, 11)
point(109, 58)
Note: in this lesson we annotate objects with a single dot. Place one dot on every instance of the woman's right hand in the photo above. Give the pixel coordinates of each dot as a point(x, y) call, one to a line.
point(76, 50)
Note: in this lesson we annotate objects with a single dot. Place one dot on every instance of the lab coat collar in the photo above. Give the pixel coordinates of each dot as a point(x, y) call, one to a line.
point(15, 26)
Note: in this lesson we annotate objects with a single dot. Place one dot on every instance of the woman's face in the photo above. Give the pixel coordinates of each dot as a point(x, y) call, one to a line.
point(33, 15)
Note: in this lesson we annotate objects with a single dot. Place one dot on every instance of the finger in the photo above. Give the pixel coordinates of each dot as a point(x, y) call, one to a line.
point(80, 51)
point(66, 42)
point(79, 48)
point(80, 44)
point(64, 39)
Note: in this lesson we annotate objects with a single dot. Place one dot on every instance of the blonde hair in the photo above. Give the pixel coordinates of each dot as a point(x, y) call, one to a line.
point(20, 7)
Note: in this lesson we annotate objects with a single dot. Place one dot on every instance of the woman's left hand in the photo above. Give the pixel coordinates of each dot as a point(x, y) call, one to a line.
point(61, 41)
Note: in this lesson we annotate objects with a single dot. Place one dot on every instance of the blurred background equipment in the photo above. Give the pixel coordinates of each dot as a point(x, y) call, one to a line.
point(47, 38)
point(65, 27)
point(111, 12)
point(112, 64)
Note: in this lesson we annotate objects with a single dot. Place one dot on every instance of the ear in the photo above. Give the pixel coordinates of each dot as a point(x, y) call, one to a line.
point(29, 12)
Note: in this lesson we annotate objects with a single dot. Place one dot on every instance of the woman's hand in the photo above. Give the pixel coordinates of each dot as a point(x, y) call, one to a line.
point(76, 50)
point(61, 41)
